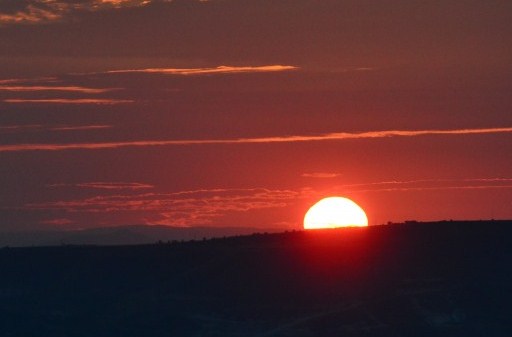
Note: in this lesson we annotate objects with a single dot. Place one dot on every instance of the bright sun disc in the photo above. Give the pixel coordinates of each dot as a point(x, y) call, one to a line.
point(334, 212)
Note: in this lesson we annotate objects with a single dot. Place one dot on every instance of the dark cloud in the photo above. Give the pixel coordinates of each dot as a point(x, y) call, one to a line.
point(10, 7)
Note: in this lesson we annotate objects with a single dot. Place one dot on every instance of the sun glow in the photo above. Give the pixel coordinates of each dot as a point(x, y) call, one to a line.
point(334, 212)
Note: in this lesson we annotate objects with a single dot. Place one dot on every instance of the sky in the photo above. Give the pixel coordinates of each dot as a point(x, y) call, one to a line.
point(245, 113)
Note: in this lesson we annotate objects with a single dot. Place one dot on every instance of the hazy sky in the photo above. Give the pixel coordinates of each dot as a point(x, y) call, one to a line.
point(238, 113)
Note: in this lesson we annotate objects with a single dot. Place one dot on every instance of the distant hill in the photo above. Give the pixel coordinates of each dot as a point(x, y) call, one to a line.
point(414, 279)
point(121, 235)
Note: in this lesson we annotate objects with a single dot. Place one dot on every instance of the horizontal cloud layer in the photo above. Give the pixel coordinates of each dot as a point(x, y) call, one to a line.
point(427, 184)
point(320, 175)
point(207, 71)
point(203, 206)
point(45, 128)
point(68, 101)
point(183, 208)
point(257, 140)
point(107, 185)
point(29, 88)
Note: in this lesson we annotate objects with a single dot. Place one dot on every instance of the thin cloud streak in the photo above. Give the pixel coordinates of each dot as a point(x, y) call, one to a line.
point(320, 175)
point(419, 185)
point(107, 185)
point(15, 128)
point(69, 101)
point(416, 185)
point(19, 81)
point(207, 71)
point(46, 128)
point(418, 181)
point(32, 88)
point(57, 222)
point(432, 188)
point(83, 127)
point(258, 140)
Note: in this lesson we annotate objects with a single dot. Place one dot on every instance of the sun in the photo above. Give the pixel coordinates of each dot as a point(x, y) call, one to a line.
point(334, 212)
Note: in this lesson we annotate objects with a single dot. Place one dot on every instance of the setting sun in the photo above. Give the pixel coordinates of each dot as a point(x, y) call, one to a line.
point(334, 212)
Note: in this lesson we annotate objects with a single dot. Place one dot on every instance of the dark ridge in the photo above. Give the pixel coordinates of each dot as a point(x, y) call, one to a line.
point(449, 278)
point(120, 235)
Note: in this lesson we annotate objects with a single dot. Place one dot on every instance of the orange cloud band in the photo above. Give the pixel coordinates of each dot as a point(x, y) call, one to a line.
point(69, 101)
point(23, 88)
point(202, 71)
point(257, 140)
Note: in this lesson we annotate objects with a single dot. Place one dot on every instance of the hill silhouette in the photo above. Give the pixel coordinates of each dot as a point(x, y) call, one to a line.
point(414, 279)
point(120, 235)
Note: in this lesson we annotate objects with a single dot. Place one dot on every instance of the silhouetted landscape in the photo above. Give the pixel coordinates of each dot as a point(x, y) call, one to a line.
point(446, 278)
point(120, 235)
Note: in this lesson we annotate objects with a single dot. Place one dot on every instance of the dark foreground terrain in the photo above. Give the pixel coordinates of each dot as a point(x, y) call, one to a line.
point(432, 279)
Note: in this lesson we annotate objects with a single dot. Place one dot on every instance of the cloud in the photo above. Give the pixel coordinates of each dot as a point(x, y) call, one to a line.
point(41, 86)
point(45, 128)
point(57, 222)
point(107, 185)
point(80, 127)
point(426, 184)
point(320, 175)
point(205, 206)
point(258, 140)
point(32, 88)
point(28, 80)
point(41, 11)
point(430, 188)
point(18, 128)
point(107, 101)
point(184, 208)
point(341, 70)
point(33, 12)
point(208, 71)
